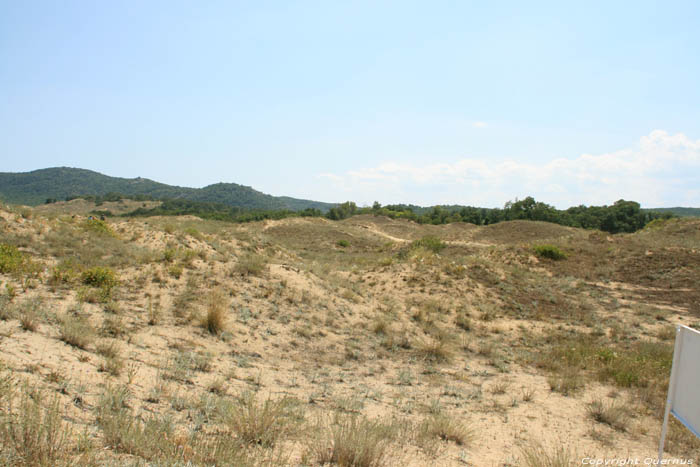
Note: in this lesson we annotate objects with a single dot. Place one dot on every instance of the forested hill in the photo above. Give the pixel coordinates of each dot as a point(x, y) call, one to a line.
point(680, 212)
point(59, 183)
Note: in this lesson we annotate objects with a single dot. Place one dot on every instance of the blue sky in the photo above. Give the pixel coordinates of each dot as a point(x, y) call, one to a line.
point(416, 102)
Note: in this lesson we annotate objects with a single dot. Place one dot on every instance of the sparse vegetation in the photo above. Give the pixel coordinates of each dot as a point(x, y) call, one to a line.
point(33, 434)
point(365, 341)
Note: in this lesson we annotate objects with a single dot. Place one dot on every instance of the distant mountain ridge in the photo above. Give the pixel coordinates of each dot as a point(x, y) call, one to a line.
point(35, 187)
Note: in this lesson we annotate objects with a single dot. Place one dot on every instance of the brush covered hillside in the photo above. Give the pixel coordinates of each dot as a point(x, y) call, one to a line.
point(58, 183)
point(362, 342)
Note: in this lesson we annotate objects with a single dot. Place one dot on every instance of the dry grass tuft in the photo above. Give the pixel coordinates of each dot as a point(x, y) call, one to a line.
point(447, 429)
point(215, 319)
point(33, 434)
point(352, 442)
point(76, 331)
point(261, 423)
point(611, 414)
point(536, 455)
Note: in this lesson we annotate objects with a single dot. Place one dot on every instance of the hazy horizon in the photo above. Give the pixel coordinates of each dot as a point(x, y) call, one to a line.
point(399, 102)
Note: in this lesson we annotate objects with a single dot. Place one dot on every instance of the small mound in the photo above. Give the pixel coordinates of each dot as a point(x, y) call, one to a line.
point(409, 230)
point(522, 231)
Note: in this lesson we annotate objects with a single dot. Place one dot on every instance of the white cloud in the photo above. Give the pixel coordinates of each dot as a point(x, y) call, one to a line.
point(660, 170)
point(479, 124)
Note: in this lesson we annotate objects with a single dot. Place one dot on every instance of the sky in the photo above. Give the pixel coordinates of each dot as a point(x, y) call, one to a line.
point(430, 102)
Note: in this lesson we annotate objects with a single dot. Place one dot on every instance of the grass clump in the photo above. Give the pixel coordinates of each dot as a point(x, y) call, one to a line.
point(536, 455)
point(612, 414)
point(435, 350)
point(29, 314)
point(215, 319)
point(447, 429)
point(33, 434)
point(352, 441)
point(156, 440)
point(550, 252)
point(76, 331)
point(261, 423)
point(250, 264)
point(342, 243)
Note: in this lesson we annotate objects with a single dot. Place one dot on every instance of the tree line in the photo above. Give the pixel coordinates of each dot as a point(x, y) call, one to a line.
point(622, 216)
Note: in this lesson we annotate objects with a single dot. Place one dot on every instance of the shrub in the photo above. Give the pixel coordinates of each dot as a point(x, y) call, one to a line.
point(343, 243)
point(175, 271)
point(99, 277)
point(549, 252)
point(169, 255)
point(66, 271)
point(429, 242)
point(11, 259)
point(97, 226)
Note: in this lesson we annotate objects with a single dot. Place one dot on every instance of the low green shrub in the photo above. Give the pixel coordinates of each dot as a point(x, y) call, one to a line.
point(11, 258)
point(93, 224)
point(429, 242)
point(13, 261)
point(549, 252)
point(99, 277)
